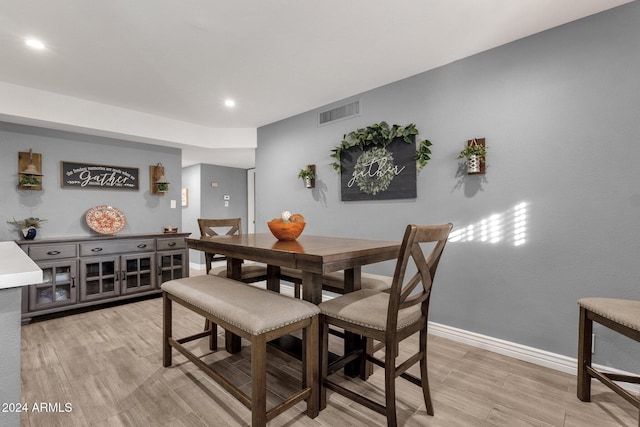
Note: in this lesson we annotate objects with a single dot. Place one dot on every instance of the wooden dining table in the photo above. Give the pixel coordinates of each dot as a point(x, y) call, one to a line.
point(312, 255)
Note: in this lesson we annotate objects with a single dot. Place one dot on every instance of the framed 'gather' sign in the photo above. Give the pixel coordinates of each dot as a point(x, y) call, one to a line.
point(92, 176)
point(380, 162)
point(379, 173)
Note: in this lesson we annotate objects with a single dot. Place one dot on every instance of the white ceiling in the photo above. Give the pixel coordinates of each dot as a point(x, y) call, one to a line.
point(159, 70)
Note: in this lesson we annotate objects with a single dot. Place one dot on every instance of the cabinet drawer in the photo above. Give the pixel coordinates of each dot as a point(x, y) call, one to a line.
point(47, 252)
point(107, 248)
point(175, 243)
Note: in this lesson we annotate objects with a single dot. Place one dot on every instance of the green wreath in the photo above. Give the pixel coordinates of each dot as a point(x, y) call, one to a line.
point(381, 134)
point(373, 181)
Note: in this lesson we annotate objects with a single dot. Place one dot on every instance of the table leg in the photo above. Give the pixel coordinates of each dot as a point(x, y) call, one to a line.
point(352, 279)
point(232, 342)
point(273, 278)
point(234, 268)
point(352, 282)
point(312, 287)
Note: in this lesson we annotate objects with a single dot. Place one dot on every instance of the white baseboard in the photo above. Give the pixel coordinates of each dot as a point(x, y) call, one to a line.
point(507, 348)
point(536, 356)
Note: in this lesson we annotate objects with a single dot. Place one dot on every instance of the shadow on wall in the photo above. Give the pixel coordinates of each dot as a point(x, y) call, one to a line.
point(319, 192)
point(471, 183)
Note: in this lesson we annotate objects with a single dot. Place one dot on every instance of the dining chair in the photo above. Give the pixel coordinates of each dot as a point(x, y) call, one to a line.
point(388, 317)
point(249, 273)
point(619, 315)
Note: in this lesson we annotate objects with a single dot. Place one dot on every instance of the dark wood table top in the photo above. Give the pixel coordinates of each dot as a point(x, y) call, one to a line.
point(314, 254)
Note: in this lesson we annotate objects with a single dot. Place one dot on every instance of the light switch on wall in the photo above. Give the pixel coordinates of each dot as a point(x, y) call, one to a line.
point(173, 204)
point(226, 203)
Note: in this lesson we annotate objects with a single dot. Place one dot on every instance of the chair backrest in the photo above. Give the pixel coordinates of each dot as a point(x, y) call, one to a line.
point(405, 293)
point(230, 226)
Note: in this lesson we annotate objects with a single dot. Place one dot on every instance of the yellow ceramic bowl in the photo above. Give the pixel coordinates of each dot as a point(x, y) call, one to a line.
point(286, 230)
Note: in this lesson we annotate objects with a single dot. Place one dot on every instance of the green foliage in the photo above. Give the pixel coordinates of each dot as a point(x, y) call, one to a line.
point(162, 187)
point(473, 150)
point(306, 173)
point(381, 135)
point(29, 180)
point(27, 222)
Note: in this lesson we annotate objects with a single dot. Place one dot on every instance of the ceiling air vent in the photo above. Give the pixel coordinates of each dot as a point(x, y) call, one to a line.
point(338, 113)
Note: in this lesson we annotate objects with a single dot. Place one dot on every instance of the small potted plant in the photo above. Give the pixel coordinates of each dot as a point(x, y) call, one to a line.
point(475, 154)
point(28, 226)
point(29, 180)
point(162, 187)
point(307, 175)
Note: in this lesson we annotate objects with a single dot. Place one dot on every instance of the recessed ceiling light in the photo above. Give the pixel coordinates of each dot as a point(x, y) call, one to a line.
point(230, 103)
point(34, 43)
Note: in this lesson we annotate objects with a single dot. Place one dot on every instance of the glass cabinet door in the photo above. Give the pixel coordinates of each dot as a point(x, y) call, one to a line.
point(171, 265)
point(100, 278)
point(58, 287)
point(137, 273)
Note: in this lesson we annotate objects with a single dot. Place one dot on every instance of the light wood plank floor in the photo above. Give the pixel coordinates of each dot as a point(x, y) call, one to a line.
point(107, 364)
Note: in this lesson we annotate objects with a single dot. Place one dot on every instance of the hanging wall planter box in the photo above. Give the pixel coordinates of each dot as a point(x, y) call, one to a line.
point(475, 152)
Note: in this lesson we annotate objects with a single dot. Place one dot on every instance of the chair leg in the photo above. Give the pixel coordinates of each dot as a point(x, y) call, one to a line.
point(366, 367)
point(324, 361)
point(258, 381)
point(424, 373)
point(311, 369)
point(585, 329)
point(166, 330)
point(390, 386)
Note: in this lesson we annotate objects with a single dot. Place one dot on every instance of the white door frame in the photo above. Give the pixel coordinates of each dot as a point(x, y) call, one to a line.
point(251, 200)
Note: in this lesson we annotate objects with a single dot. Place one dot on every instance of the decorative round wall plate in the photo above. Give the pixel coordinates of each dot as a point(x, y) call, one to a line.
point(105, 219)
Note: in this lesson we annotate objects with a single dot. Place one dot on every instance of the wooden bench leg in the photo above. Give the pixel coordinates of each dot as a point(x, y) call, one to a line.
point(311, 368)
point(166, 330)
point(258, 381)
point(585, 329)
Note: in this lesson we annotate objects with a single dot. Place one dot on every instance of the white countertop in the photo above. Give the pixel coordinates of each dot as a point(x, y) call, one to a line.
point(16, 268)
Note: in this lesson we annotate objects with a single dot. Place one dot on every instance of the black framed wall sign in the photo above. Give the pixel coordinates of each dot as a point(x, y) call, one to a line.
point(91, 176)
point(379, 173)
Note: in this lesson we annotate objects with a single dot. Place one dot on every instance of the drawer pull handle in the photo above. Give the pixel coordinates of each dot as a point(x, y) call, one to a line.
point(171, 244)
point(96, 250)
point(142, 245)
point(53, 253)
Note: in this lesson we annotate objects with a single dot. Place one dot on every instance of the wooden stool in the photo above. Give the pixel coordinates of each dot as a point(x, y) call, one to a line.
point(257, 315)
point(622, 316)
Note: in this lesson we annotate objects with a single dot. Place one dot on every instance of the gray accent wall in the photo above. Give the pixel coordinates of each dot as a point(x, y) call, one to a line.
point(560, 112)
point(65, 208)
point(206, 201)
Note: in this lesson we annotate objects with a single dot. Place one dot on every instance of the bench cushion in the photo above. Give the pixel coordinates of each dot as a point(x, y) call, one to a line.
point(370, 281)
point(336, 279)
point(247, 271)
point(255, 311)
point(622, 311)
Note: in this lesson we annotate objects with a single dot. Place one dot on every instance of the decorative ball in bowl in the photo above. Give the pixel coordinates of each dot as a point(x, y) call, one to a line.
point(289, 229)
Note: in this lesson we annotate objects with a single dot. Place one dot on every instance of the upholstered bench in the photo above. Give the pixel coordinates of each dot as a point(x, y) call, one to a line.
point(620, 315)
point(257, 315)
point(334, 281)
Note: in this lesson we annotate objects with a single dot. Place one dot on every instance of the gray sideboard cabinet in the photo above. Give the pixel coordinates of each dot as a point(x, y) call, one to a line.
point(85, 271)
